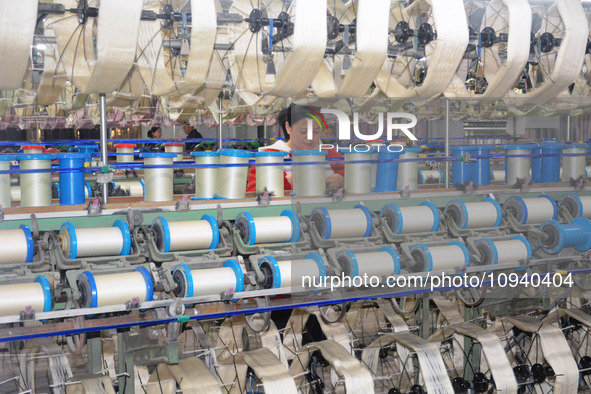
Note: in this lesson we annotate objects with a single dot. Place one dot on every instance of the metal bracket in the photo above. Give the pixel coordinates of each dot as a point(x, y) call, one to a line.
point(524, 187)
point(405, 193)
point(220, 215)
point(183, 205)
point(35, 226)
point(135, 218)
point(1, 213)
point(578, 184)
point(104, 177)
point(94, 207)
point(264, 198)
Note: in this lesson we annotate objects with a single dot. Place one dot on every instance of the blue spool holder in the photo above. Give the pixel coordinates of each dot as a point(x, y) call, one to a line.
point(71, 183)
point(387, 171)
point(462, 171)
point(46, 288)
point(577, 234)
point(546, 166)
point(481, 167)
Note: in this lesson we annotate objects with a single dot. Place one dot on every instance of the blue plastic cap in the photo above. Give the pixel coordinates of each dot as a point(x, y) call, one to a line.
point(399, 224)
point(523, 206)
point(462, 148)
point(354, 264)
point(126, 248)
point(464, 250)
point(30, 244)
point(46, 288)
point(494, 253)
point(323, 213)
point(577, 146)
point(205, 154)
point(498, 208)
point(69, 228)
point(307, 152)
point(35, 157)
point(295, 225)
point(411, 150)
point(164, 224)
point(442, 175)
point(8, 157)
point(239, 275)
point(322, 272)
point(518, 147)
point(252, 233)
point(270, 154)
point(88, 189)
point(561, 236)
point(149, 285)
point(275, 268)
point(395, 258)
point(577, 201)
point(92, 285)
point(424, 248)
point(436, 214)
point(235, 153)
point(189, 286)
point(464, 209)
point(421, 179)
point(554, 206)
point(215, 231)
point(158, 155)
point(75, 156)
point(369, 219)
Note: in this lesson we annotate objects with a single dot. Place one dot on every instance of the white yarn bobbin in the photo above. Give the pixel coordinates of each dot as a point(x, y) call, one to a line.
point(483, 214)
point(15, 298)
point(574, 166)
point(95, 242)
point(514, 250)
point(125, 153)
point(358, 171)
point(430, 176)
point(15, 193)
point(233, 174)
point(5, 188)
point(450, 257)
point(206, 178)
point(16, 245)
point(384, 262)
point(576, 205)
point(308, 179)
point(159, 182)
point(115, 289)
point(189, 235)
point(264, 230)
point(208, 281)
point(135, 188)
point(175, 147)
point(405, 220)
point(292, 273)
point(269, 174)
point(497, 175)
point(35, 186)
point(342, 223)
point(518, 163)
point(531, 210)
point(407, 170)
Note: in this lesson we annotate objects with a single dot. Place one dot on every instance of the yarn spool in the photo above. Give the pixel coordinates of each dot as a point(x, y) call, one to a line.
point(517, 163)
point(577, 234)
point(17, 246)
point(576, 205)
point(265, 230)
point(94, 242)
point(514, 250)
point(431, 176)
point(450, 257)
point(269, 172)
point(407, 170)
point(485, 214)
point(190, 235)
point(71, 184)
point(406, 220)
point(206, 178)
point(384, 262)
point(497, 175)
point(15, 298)
point(290, 273)
point(358, 171)
point(208, 281)
point(308, 179)
point(5, 188)
point(36, 185)
point(233, 174)
point(114, 289)
point(342, 223)
point(573, 167)
point(135, 188)
point(15, 193)
point(175, 147)
point(531, 210)
point(33, 149)
point(125, 153)
point(159, 182)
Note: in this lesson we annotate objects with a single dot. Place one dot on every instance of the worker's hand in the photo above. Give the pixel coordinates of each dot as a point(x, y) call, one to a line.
point(288, 177)
point(335, 182)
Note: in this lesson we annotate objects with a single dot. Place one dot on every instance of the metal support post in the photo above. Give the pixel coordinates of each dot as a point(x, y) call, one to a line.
point(104, 137)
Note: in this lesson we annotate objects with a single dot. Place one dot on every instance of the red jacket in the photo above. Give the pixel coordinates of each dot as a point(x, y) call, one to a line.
point(331, 153)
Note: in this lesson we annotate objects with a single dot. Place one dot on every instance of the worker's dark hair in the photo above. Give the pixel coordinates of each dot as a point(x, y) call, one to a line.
point(151, 131)
point(293, 114)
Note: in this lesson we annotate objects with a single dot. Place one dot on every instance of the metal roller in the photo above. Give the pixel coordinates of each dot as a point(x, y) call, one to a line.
point(405, 220)
point(342, 223)
point(95, 242)
point(189, 235)
point(487, 213)
point(114, 289)
point(263, 230)
point(531, 210)
point(208, 281)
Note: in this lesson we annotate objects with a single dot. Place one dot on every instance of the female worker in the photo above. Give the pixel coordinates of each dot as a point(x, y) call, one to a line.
point(154, 133)
point(294, 123)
